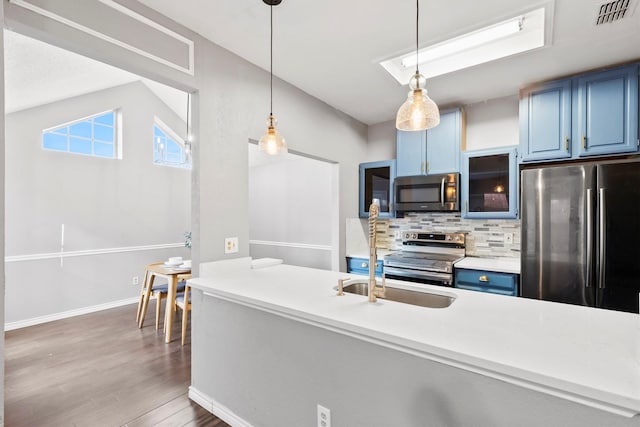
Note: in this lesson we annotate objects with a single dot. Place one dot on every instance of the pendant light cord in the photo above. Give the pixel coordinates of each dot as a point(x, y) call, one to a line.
point(271, 59)
point(188, 113)
point(417, 15)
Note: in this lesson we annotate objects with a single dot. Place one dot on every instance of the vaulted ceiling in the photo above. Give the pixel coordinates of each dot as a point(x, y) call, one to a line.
point(331, 48)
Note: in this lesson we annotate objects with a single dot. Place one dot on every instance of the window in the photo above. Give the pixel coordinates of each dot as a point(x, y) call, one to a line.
point(168, 148)
point(92, 136)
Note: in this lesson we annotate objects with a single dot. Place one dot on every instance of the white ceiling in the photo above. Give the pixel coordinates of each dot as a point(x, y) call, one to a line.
point(37, 73)
point(331, 48)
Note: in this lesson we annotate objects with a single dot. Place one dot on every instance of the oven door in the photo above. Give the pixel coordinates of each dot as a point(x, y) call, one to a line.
point(418, 276)
point(429, 193)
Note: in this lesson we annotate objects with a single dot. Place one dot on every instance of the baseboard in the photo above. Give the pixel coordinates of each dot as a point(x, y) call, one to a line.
point(217, 409)
point(9, 326)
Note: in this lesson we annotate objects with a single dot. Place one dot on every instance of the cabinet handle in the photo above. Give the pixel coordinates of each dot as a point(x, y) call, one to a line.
point(427, 163)
point(483, 279)
point(584, 141)
point(566, 143)
point(421, 167)
point(364, 265)
point(466, 206)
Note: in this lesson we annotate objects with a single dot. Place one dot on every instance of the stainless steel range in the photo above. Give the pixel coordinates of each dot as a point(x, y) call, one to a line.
point(426, 257)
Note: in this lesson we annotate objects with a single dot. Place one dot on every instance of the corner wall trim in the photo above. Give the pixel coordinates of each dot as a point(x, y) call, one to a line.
point(216, 408)
point(122, 9)
point(66, 314)
point(87, 252)
point(291, 245)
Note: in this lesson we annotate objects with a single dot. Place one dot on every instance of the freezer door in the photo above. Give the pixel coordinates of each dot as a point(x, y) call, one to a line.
point(618, 231)
point(555, 236)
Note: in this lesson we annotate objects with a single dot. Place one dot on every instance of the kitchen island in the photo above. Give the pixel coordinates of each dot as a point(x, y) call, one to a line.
point(270, 344)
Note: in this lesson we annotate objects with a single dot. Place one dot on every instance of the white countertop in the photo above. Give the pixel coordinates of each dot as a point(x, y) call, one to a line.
point(500, 265)
point(585, 355)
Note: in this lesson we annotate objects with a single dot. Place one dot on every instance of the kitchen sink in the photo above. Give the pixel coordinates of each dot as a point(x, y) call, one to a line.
point(423, 299)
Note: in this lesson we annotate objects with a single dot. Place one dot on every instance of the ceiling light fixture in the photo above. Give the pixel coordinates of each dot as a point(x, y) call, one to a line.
point(523, 32)
point(272, 142)
point(466, 41)
point(418, 112)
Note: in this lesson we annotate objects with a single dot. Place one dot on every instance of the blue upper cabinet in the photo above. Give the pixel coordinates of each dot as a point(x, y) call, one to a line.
point(545, 122)
point(589, 115)
point(376, 182)
point(443, 143)
point(433, 151)
point(490, 183)
point(411, 153)
point(607, 112)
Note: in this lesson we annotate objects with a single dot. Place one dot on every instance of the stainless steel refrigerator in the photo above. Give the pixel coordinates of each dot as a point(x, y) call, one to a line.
point(581, 234)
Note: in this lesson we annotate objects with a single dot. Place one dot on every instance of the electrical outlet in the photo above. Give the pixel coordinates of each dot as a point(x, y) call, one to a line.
point(230, 245)
point(508, 237)
point(398, 234)
point(134, 281)
point(324, 417)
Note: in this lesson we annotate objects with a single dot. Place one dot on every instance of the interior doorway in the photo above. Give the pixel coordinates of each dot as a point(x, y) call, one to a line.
point(293, 209)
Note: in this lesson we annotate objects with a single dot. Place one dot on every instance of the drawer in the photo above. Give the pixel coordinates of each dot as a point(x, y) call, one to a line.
point(361, 266)
point(487, 281)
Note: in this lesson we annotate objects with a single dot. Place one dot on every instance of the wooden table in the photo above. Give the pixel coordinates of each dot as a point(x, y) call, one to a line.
point(173, 275)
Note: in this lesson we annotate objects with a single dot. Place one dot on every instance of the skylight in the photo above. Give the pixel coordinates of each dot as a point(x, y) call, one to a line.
point(505, 38)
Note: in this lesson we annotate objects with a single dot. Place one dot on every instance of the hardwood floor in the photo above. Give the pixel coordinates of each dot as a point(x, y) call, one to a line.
point(99, 370)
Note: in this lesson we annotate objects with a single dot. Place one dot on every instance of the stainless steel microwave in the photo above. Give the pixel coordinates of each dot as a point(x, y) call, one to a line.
point(427, 193)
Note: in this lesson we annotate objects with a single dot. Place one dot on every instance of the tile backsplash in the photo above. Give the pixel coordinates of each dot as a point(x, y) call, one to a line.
point(485, 238)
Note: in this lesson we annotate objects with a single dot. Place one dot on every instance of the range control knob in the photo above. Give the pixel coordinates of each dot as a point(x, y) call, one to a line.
point(457, 238)
point(448, 237)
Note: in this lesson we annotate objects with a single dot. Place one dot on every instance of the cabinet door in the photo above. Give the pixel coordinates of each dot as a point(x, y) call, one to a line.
point(490, 183)
point(376, 182)
point(411, 152)
point(607, 112)
point(443, 143)
point(545, 122)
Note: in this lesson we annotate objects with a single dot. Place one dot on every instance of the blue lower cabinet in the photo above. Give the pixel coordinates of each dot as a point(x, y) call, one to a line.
point(361, 266)
point(487, 281)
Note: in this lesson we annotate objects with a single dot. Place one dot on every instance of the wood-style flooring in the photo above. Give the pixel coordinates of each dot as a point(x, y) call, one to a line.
point(99, 370)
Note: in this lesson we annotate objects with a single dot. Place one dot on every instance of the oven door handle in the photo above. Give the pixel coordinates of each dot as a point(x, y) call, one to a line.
point(442, 191)
point(399, 273)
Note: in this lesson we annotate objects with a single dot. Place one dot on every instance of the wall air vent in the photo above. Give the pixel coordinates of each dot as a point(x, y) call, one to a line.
point(613, 11)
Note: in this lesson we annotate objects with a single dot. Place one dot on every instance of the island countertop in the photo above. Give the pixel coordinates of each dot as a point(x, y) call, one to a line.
point(582, 354)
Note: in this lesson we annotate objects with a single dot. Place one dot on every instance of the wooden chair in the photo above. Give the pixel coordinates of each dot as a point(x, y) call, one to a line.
point(150, 290)
point(183, 302)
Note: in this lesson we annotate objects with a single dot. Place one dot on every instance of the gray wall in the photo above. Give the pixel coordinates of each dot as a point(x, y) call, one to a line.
point(291, 202)
point(103, 204)
point(272, 371)
point(2, 222)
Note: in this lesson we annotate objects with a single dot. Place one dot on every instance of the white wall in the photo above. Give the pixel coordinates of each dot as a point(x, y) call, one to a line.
point(103, 204)
point(381, 141)
point(2, 222)
point(493, 123)
point(291, 206)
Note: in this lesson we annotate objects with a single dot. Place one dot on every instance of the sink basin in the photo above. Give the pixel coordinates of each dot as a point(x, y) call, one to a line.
point(423, 299)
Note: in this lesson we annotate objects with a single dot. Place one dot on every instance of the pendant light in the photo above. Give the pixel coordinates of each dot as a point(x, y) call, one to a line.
point(272, 142)
point(418, 112)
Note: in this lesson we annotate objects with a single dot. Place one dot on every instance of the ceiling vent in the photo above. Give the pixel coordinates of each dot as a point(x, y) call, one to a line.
point(613, 11)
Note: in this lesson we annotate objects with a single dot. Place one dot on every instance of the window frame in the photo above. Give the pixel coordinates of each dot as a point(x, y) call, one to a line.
point(117, 135)
point(171, 135)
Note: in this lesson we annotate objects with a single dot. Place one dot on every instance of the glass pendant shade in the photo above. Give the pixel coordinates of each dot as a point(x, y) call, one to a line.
point(272, 142)
point(418, 112)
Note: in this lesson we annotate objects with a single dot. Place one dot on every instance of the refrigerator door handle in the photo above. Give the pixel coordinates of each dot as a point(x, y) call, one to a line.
point(589, 237)
point(602, 238)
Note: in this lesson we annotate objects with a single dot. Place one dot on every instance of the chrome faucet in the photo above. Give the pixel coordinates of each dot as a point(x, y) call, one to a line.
point(374, 291)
